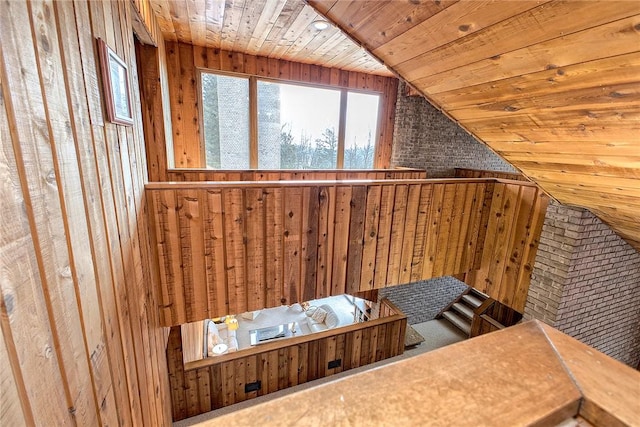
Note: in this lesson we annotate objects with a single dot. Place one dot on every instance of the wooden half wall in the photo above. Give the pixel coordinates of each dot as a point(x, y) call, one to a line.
point(213, 383)
point(80, 341)
point(233, 247)
point(182, 62)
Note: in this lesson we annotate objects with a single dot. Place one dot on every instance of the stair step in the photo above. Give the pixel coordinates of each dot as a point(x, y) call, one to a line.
point(457, 321)
point(464, 310)
point(472, 300)
point(480, 295)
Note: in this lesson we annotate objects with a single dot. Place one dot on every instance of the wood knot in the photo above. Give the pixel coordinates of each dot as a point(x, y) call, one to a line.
point(463, 28)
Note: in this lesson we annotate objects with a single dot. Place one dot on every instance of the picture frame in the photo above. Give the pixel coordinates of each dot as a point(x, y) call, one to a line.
point(115, 81)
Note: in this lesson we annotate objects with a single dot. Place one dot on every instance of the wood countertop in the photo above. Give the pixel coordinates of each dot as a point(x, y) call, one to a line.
point(529, 374)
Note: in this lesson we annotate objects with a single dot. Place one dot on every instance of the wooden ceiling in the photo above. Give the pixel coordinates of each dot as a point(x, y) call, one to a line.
point(552, 86)
point(278, 29)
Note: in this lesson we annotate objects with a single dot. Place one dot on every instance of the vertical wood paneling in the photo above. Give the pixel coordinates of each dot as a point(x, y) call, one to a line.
point(256, 242)
point(283, 243)
point(81, 333)
point(419, 250)
point(340, 240)
point(384, 235)
point(235, 249)
point(557, 101)
point(356, 236)
point(274, 233)
point(372, 218)
point(310, 230)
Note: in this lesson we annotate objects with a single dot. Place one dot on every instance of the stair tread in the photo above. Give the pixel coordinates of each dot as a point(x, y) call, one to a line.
point(463, 309)
point(472, 301)
point(457, 321)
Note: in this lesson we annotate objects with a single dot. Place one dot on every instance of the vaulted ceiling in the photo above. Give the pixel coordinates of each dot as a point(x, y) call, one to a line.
point(280, 29)
point(553, 86)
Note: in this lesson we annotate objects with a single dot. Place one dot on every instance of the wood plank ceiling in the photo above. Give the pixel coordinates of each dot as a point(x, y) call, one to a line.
point(552, 86)
point(280, 29)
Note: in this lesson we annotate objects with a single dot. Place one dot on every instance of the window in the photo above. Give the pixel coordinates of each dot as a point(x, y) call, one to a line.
point(294, 126)
point(360, 132)
point(225, 118)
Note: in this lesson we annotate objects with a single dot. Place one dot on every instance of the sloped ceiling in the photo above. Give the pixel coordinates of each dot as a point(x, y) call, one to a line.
point(552, 86)
point(280, 29)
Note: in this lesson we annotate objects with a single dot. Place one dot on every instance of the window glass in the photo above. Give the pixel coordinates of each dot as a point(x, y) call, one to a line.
point(225, 108)
point(297, 126)
point(361, 130)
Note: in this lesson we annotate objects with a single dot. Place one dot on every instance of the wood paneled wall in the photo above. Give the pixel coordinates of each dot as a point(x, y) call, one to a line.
point(292, 175)
point(183, 61)
point(511, 243)
point(79, 337)
point(492, 316)
point(213, 383)
point(230, 248)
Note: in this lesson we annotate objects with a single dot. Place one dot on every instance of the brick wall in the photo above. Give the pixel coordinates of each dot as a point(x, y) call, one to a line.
point(426, 138)
point(586, 283)
point(422, 301)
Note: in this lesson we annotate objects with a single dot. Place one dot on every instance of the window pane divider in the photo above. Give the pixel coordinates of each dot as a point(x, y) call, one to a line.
point(342, 124)
point(253, 122)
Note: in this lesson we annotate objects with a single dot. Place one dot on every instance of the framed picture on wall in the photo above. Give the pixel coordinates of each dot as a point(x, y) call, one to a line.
point(115, 79)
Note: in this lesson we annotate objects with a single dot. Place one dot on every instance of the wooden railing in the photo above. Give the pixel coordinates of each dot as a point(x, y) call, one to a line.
point(212, 383)
point(481, 173)
point(492, 316)
point(239, 246)
point(292, 174)
point(527, 375)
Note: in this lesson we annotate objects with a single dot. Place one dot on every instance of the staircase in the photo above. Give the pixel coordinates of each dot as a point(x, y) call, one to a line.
point(460, 312)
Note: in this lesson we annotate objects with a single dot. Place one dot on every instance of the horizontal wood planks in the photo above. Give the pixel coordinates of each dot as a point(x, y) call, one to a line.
point(217, 382)
point(183, 62)
point(81, 341)
point(292, 175)
point(268, 243)
point(558, 101)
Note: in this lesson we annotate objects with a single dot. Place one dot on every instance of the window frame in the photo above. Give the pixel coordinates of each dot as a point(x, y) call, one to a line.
point(253, 112)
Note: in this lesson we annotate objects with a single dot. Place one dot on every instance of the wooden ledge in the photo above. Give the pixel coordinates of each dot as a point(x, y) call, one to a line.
point(205, 170)
point(610, 389)
point(204, 185)
point(528, 374)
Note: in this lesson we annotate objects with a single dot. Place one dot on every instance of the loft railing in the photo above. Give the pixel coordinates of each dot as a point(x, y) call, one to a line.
point(230, 247)
point(292, 174)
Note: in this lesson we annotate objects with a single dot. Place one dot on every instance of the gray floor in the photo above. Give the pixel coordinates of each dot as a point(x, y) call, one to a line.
point(437, 333)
